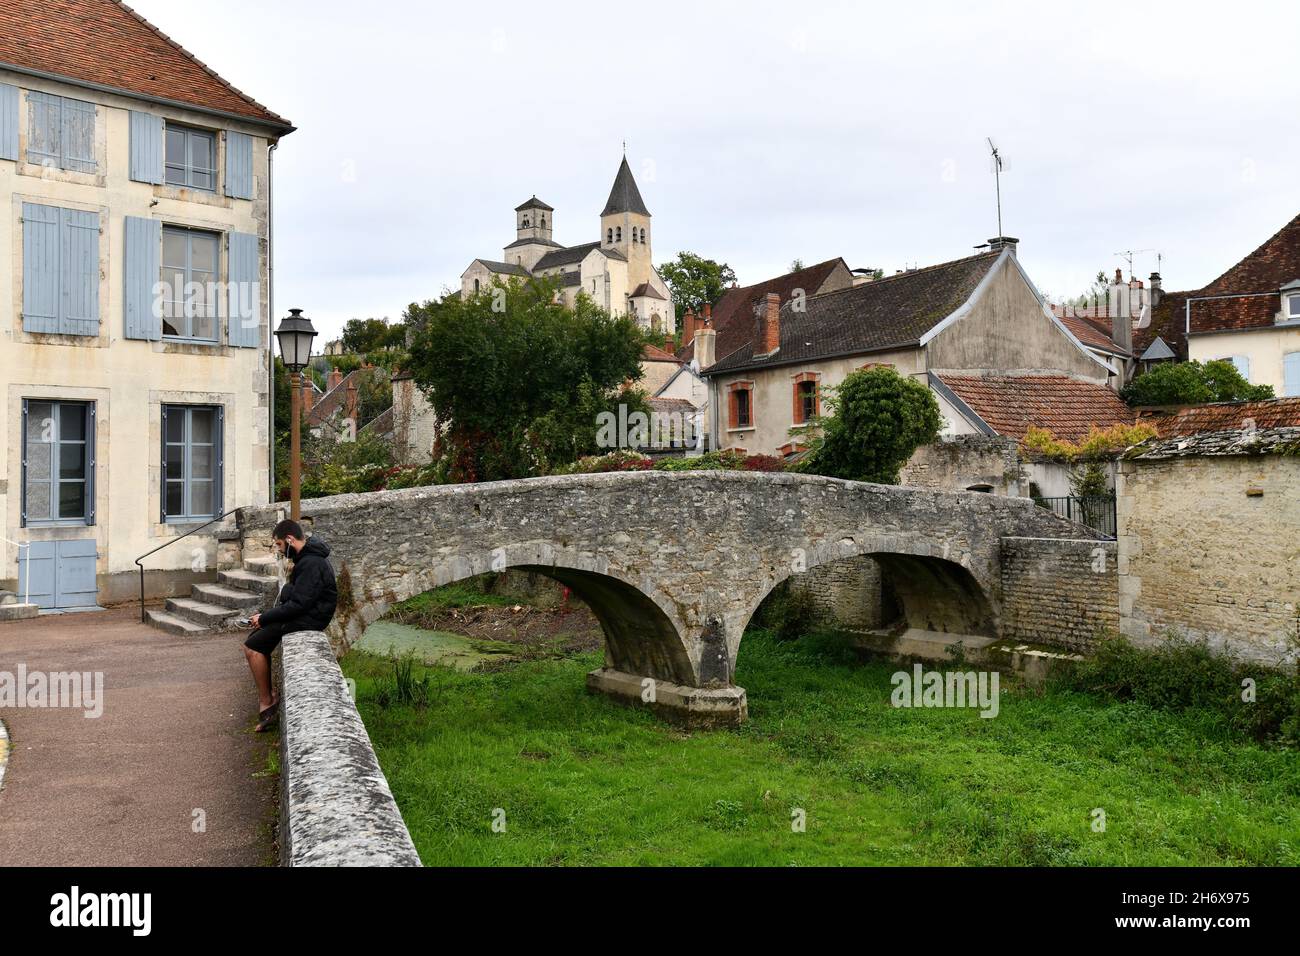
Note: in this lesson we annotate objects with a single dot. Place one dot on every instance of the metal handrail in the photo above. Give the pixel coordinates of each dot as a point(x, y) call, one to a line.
point(221, 517)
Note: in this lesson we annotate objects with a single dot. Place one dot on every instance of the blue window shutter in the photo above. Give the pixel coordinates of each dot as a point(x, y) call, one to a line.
point(239, 165)
point(244, 330)
point(146, 148)
point(78, 136)
point(219, 459)
point(79, 273)
point(8, 121)
point(1291, 374)
point(41, 250)
point(143, 267)
point(36, 572)
point(45, 113)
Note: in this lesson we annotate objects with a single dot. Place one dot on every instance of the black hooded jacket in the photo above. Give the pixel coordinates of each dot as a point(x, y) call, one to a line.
point(307, 602)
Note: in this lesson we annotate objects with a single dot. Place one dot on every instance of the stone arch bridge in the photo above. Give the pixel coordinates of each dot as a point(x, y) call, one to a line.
point(673, 564)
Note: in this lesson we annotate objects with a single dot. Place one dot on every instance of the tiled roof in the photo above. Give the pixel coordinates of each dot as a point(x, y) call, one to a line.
point(1227, 416)
point(1270, 441)
point(1265, 270)
point(534, 203)
point(536, 242)
point(1009, 404)
point(335, 399)
point(106, 43)
point(567, 257)
point(652, 353)
point(646, 289)
point(1092, 332)
point(508, 268)
point(625, 197)
point(888, 313)
point(679, 405)
point(733, 314)
point(381, 425)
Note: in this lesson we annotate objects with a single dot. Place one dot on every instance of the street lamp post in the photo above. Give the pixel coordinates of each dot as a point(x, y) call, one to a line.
point(295, 334)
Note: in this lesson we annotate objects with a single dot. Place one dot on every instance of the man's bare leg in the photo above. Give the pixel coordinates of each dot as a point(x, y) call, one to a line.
point(260, 665)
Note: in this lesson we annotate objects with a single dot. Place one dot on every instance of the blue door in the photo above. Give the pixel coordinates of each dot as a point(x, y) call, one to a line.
point(58, 574)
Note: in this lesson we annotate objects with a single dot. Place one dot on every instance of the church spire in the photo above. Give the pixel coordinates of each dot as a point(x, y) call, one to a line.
point(625, 197)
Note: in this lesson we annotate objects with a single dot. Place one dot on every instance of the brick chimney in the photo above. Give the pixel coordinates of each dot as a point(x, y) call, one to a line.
point(768, 339)
point(688, 326)
point(708, 314)
point(308, 398)
point(332, 382)
point(351, 406)
point(706, 341)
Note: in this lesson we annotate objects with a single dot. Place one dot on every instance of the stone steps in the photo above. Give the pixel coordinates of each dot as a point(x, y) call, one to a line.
point(214, 606)
point(175, 625)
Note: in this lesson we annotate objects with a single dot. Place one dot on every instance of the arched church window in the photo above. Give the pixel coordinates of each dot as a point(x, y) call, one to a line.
point(476, 286)
point(543, 223)
point(609, 235)
point(618, 234)
point(525, 222)
point(643, 236)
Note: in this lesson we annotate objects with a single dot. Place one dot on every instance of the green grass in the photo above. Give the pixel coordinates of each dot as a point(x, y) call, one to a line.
point(582, 780)
point(467, 593)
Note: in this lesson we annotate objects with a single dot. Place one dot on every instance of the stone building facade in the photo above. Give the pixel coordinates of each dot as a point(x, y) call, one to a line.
point(134, 303)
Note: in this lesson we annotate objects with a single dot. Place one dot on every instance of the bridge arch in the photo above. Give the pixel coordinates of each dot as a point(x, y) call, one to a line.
point(937, 587)
point(643, 633)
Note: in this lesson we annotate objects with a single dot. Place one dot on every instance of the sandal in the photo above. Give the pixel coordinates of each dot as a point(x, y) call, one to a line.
point(267, 717)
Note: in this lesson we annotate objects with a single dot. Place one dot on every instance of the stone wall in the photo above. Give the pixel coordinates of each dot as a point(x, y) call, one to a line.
point(843, 593)
point(962, 462)
point(1210, 547)
point(335, 805)
point(1062, 593)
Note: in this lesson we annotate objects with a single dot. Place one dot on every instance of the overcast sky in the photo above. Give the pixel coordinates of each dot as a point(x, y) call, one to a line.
point(760, 133)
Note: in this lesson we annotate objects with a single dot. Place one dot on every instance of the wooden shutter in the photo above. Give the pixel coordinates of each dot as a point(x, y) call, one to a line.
point(44, 129)
point(146, 148)
point(243, 327)
point(41, 249)
point(8, 121)
point(143, 267)
point(239, 165)
point(79, 272)
point(78, 136)
point(1291, 374)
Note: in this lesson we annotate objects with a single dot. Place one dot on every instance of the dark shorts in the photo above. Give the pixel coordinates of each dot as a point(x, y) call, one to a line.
point(266, 639)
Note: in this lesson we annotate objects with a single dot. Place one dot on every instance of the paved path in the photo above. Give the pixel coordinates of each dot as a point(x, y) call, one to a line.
point(121, 789)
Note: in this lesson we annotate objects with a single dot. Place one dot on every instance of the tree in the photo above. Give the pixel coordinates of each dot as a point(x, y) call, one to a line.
point(796, 265)
point(1096, 294)
point(695, 281)
point(371, 335)
point(877, 420)
point(1192, 383)
point(517, 379)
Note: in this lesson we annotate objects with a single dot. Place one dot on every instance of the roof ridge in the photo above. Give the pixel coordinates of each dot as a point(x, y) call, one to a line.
point(200, 64)
point(903, 275)
point(1294, 221)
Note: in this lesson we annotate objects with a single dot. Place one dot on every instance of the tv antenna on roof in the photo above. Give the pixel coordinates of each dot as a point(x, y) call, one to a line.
point(1128, 254)
point(998, 165)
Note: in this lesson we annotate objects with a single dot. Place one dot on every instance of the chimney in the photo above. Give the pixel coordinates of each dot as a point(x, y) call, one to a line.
point(708, 314)
point(351, 406)
point(1121, 313)
point(1155, 289)
point(308, 398)
point(706, 341)
point(332, 382)
point(688, 326)
point(998, 243)
point(768, 339)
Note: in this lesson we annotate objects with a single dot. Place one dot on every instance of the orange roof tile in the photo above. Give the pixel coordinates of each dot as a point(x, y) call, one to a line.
point(1010, 404)
point(106, 43)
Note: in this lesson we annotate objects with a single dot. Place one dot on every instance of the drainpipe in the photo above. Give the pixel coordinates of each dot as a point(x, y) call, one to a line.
point(270, 318)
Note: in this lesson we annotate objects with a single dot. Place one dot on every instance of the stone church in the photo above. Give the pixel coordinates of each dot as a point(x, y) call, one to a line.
point(616, 271)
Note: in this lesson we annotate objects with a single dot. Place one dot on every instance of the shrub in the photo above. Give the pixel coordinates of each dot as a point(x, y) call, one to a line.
point(1192, 383)
point(788, 612)
point(1182, 674)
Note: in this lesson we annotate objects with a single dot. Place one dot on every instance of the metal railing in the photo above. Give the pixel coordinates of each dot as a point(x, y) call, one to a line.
point(1095, 511)
point(166, 544)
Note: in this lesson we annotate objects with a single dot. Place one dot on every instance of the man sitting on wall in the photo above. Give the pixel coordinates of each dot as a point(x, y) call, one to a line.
point(306, 603)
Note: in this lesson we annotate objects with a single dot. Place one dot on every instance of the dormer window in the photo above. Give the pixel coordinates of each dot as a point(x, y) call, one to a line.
point(1292, 310)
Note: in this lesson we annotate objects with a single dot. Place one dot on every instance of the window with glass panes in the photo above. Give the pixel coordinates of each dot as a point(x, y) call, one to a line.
point(190, 261)
point(191, 158)
point(191, 461)
point(58, 462)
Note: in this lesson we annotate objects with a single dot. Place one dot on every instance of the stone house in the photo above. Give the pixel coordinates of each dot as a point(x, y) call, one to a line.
point(1209, 529)
point(134, 301)
point(616, 271)
point(1249, 316)
point(975, 326)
